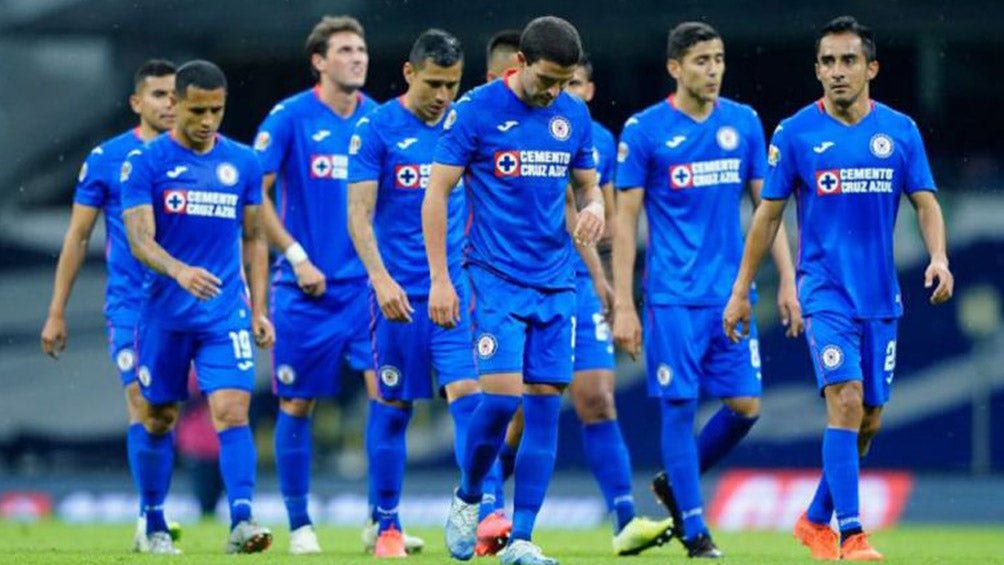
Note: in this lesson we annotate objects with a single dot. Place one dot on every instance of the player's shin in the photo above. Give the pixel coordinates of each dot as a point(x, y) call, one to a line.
point(293, 457)
point(237, 465)
point(485, 434)
point(679, 456)
point(155, 461)
point(608, 458)
point(535, 460)
point(721, 434)
point(390, 423)
point(840, 465)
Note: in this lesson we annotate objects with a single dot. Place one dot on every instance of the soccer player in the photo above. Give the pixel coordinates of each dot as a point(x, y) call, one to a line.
point(688, 160)
point(848, 160)
point(190, 202)
point(517, 141)
point(389, 164)
point(98, 191)
point(501, 53)
point(319, 289)
point(592, 389)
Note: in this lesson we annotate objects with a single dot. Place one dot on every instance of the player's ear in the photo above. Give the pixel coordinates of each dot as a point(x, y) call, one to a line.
point(590, 91)
point(408, 71)
point(134, 102)
point(673, 68)
point(520, 59)
point(873, 69)
point(317, 62)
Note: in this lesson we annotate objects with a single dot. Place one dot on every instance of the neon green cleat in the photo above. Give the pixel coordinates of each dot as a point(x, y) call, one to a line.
point(642, 533)
point(174, 528)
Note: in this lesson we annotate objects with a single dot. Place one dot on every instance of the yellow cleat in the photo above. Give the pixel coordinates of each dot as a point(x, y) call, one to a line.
point(642, 533)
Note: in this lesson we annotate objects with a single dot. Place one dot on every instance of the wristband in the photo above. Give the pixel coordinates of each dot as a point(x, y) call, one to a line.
point(295, 254)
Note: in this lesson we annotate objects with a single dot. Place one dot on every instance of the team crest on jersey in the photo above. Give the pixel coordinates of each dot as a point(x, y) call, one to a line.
point(226, 173)
point(664, 374)
point(143, 375)
point(832, 357)
point(285, 374)
point(83, 172)
point(487, 346)
point(727, 137)
point(355, 143)
point(507, 163)
point(174, 201)
point(827, 182)
point(622, 152)
point(390, 375)
point(680, 176)
point(262, 141)
point(125, 360)
point(451, 119)
point(125, 171)
point(560, 128)
point(881, 145)
point(408, 176)
point(773, 155)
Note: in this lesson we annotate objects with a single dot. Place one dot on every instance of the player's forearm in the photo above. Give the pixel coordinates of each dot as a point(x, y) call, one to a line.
point(758, 241)
point(625, 247)
point(591, 257)
point(932, 229)
point(274, 230)
point(71, 258)
point(256, 261)
point(434, 208)
point(364, 240)
point(781, 253)
point(144, 246)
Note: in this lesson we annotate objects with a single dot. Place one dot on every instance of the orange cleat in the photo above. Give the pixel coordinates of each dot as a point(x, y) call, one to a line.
point(493, 534)
point(390, 544)
point(819, 538)
point(857, 548)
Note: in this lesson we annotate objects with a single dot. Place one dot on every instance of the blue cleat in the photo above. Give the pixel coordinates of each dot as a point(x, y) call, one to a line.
point(462, 528)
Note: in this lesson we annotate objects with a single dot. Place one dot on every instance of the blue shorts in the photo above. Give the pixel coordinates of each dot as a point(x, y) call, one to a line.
point(688, 355)
point(223, 359)
point(519, 329)
point(852, 349)
point(405, 354)
point(122, 348)
point(594, 344)
point(313, 335)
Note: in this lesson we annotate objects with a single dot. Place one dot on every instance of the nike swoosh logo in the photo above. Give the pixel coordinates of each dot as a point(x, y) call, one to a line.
point(675, 142)
point(176, 172)
point(406, 143)
point(319, 136)
point(823, 146)
point(508, 126)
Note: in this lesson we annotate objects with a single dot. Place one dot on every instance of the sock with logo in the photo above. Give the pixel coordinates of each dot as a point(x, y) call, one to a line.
point(535, 460)
point(485, 434)
point(237, 465)
point(679, 456)
point(154, 464)
point(608, 458)
point(840, 467)
point(390, 425)
point(293, 457)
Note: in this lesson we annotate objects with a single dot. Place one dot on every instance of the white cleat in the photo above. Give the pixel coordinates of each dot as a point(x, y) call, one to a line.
point(140, 543)
point(303, 541)
point(522, 552)
point(160, 543)
point(412, 544)
point(248, 537)
point(462, 528)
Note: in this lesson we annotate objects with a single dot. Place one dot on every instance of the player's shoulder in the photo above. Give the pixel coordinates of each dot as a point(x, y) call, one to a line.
point(574, 106)
point(383, 114)
point(648, 115)
point(737, 109)
point(116, 148)
point(487, 93)
point(292, 105)
point(367, 104)
point(892, 117)
point(601, 134)
point(235, 150)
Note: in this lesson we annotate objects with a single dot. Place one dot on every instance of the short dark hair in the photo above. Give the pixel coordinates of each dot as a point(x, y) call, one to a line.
point(552, 39)
point(685, 35)
point(200, 74)
point(317, 41)
point(443, 48)
point(505, 40)
point(152, 68)
point(587, 65)
point(848, 24)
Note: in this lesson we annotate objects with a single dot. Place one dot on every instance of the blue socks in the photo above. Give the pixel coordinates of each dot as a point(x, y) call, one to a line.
point(485, 434)
point(840, 467)
point(293, 456)
point(237, 465)
point(507, 460)
point(134, 437)
point(389, 425)
point(535, 460)
point(679, 456)
point(821, 508)
point(493, 493)
point(610, 463)
point(154, 459)
point(722, 432)
point(461, 409)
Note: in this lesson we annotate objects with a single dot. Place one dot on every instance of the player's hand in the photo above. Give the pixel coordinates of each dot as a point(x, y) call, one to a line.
point(264, 333)
point(199, 282)
point(946, 282)
point(309, 278)
point(736, 317)
point(627, 330)
point(54, 336)
point(444, 304)
point(789, 309)
point(393, 300)
point(605, 292)
point(589, 225)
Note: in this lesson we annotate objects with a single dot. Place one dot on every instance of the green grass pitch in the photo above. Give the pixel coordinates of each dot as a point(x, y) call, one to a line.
point(57, 543)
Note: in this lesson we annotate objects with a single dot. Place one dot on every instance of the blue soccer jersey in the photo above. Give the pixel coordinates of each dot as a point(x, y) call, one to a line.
point(605, 147)
point(98, 187)
point(306, 145)
point(198, 205)
point(847, 182)
point(694, 174)
point(517, 163)
point(395, 148)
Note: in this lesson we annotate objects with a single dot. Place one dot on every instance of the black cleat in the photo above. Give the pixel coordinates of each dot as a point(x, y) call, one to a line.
point(663, 492)
point(702, 547)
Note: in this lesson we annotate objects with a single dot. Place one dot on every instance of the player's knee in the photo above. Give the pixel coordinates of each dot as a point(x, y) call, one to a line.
point(844, 402)
point(297, 407)
point(461, 388)
point(870, 425)
point(229, 415)
point(159, 420)
point(747, 407)
point(595, 405)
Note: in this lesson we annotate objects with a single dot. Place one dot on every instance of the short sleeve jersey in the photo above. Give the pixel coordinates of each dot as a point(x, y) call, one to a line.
point(517, 160)
point(694, 175)
point(306, 145)
point(847, 182)
point(198, 205)
point(395, 149)
point(605, 147)
point(98, 187)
